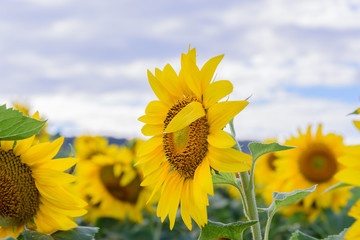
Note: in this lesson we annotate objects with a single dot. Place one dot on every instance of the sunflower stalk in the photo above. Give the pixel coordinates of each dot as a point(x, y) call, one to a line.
point(248, 191)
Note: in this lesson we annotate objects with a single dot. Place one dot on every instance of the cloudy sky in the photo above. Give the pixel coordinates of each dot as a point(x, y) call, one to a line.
point(82, 64)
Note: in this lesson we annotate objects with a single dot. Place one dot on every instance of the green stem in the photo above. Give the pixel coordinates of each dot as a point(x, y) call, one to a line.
point(267, 228)
point(248, 188)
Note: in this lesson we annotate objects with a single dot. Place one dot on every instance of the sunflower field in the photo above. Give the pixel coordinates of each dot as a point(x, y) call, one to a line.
point(189, 177)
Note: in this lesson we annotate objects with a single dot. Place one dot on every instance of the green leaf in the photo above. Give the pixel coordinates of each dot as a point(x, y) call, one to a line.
point(339, 185)
point(259, 149)
point(286, 199)
point(215, 230)
point(224, 178)
point(15, 126)
point(301, 236)
point(340, 236)
point(83, 233)
point(9, 238)
point(357, 111)
point(33, 235)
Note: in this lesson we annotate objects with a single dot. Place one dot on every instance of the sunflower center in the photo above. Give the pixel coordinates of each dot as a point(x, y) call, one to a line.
point(128, 193)
point(185, 149)
point(318, 164)
point(19, 197)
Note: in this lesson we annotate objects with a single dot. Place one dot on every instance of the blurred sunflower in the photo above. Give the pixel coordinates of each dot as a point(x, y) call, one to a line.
point(43, 135)
point(314, 161)
point(33, 188)
point(111, 184)
point(265, 170)
point(354, 231)
point(187, 138)
point(350, 175)
point(88, 146)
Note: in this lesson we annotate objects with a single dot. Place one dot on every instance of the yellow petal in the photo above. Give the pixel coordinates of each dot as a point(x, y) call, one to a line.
point(185, 204)
point(47, 221)
point(69, 211)
point(203, 177)
point(157, 175)
point(217, 91)
point(357, 124)
point(190, 73)
point(221, 113)
point(185, 117)
point(160, 91)
point(150, 166)
point(159, 179)
point(221, 139)
point(58, 195)
point(349, 176)
point(150, 145)
point(42, 152)
point(23, 145)
point(52, 177)
point(156, 108)
point(152, 119)
point(170, 80)
point(228, 159)
point(157, 152)
point(208, 70)
point(152, 130)
point(60, 164)
point(7, 145)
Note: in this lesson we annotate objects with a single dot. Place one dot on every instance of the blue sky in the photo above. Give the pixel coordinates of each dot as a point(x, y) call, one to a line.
point(83, 64)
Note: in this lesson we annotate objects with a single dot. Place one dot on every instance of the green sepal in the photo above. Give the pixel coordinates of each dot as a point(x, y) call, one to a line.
point(15, 126)
point(215, 230)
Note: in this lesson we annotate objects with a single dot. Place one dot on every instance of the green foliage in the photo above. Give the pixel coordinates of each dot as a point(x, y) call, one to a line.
point(259, 149)
point(286, 199)
point(298, 235)
point(215, 230)
point(83, 233)
point(15, 126)
point(224, 178)
point(283, 200)
point(338, 185)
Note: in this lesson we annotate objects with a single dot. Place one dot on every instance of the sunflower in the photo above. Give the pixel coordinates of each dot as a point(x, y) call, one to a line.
point(354, 231)
point(111, 184)
point(33, 188)
point(350, 175)
point(187, 138)
point(314, 161)
point(88, 146)
point(43, 135)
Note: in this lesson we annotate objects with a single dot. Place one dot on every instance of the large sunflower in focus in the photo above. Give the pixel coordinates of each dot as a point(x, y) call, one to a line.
point(111, 184)
point(33, 188)
point(314, 161)
point(187, 138)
